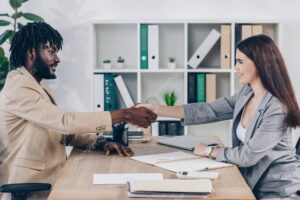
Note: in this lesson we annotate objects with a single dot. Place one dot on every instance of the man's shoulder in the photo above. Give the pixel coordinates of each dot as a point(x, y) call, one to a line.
point(18, 81)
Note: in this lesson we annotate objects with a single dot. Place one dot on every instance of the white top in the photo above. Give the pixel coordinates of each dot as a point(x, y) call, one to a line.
point(241, 131)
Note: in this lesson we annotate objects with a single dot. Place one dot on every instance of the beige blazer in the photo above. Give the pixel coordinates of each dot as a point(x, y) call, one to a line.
point(35, 131)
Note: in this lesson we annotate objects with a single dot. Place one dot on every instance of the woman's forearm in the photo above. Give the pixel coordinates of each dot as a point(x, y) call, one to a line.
point(170, 111)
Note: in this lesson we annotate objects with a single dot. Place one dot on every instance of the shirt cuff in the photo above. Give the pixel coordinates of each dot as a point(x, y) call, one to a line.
point(221, 155)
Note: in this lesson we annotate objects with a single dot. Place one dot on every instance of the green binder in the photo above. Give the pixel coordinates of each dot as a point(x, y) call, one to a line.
point(110, 102)
point(201, 88)
point(144, 46)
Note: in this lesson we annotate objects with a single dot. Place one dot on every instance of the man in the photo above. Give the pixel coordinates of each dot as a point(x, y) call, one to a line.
point(35, 131)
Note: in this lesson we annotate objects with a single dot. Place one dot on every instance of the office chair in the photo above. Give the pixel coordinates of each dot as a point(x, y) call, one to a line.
point(20, 191)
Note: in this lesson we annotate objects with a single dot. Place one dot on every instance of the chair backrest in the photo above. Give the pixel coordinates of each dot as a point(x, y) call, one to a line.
point(298, 147)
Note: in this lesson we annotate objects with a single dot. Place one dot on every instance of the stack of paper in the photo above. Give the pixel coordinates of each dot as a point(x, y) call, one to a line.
point(170, 188)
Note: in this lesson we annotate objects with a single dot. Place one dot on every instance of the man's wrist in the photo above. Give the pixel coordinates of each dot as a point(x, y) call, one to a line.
point(119, 115)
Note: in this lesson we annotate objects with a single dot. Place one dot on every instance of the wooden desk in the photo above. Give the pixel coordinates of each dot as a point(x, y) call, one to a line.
point(75, 180)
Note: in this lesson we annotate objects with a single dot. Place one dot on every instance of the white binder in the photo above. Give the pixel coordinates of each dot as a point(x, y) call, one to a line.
point(153, 47)
point(124, 91)
point(98, 92)
point(204, 48)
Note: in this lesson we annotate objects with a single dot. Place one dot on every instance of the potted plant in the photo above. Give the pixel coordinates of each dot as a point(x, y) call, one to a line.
point(107, 64)
point(171, 63)
point(12, 21)
point(120, 62)
point(170, 98)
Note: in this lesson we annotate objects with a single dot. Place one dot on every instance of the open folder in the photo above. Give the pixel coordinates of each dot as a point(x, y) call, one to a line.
point(169, 188)
point(180, 161)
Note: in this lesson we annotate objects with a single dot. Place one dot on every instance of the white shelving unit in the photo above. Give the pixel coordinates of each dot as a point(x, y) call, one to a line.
point(177, 39)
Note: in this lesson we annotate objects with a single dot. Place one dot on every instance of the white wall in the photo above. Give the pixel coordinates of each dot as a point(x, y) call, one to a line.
point(71, 18)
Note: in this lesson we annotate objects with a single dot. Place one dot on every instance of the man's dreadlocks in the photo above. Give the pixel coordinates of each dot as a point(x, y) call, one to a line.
point(33, 36)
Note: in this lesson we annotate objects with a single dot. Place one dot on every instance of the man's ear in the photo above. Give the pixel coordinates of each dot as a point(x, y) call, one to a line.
point(30, 57)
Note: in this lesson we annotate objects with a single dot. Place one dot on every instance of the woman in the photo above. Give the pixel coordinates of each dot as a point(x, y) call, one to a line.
point(263, 113)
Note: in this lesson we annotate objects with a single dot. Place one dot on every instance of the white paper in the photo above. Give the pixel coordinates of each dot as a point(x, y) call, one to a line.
point(192, 165)
point(162, 157)
point(124, 178)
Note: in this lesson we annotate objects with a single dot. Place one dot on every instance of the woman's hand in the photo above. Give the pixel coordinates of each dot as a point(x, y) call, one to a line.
point(200, 149)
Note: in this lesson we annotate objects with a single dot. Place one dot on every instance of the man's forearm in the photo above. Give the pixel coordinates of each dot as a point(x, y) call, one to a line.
point(171, 111)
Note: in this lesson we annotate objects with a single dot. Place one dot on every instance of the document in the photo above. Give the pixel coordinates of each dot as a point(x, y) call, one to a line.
point(124, 178)
point(180, 161)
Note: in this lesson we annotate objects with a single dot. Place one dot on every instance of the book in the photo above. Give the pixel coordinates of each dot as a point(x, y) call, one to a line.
point(246, 31)
point(257, 29)
point(144, 46)
point(201, 88)
point(109, 93)
point(123, 90)
point(204, 48)
point(98, 92)
point(169, 188)
point(211, 87)
point(225, 46)
point(153, 47)
point(192, 85)
point(180, 161)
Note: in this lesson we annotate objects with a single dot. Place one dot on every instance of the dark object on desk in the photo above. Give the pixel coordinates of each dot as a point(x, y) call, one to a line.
point(170, 128)
point(120, 133)
point(21, 191)
point(131, 135)
point(298, 148)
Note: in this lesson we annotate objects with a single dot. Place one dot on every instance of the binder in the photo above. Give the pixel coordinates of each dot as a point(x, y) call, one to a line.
point(153, 47)
point(98, 92)
point(123, 90)
point(211, 88)
point(257, 29)
point(225, 46)
point(204, 48)
point(109, 93)
point(201, 88)
point(192, 85)
point(246, 31)
point(144, 46)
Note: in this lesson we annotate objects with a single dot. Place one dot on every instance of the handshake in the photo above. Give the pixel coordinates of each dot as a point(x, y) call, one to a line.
point(137, 115)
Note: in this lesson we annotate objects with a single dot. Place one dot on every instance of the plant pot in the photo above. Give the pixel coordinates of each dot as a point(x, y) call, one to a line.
point(171, 65)
point(107, 65)
point(120, 65)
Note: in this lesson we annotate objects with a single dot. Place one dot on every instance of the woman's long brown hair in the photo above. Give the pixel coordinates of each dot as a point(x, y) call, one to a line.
point(273, 74)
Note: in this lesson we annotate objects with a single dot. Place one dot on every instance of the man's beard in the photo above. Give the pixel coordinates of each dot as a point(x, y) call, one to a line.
point(41, 69)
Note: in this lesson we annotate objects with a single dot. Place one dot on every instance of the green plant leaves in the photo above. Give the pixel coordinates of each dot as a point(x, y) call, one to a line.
point(15, 3)
point(20, 25)
point(17, 15)
point(4, 22)
point(1, 53)
point(33, 17)
point(170, 98)
point(5, 35)
point(4, 15)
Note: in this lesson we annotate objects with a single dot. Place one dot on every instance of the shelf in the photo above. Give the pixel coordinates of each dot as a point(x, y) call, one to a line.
point(203, 70)
point(97, 70)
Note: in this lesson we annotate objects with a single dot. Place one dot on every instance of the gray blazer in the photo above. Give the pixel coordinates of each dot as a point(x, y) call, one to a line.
point(267, 160)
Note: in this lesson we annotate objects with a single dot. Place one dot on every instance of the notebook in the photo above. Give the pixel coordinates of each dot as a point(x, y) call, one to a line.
point(188, 142)
point(180, 161)
point(169, 187)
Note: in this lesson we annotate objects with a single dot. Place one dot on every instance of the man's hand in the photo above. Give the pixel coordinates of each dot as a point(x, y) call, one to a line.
point(111, 147)
point(154, 108)
point(142, 117)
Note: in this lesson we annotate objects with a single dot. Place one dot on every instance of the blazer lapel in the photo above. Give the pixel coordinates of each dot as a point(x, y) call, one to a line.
point(262, 106)
point(242, 102)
